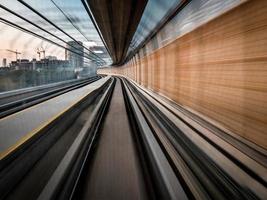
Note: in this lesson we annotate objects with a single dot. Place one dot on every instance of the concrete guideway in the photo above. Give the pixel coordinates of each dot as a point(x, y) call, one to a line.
point(116, 154)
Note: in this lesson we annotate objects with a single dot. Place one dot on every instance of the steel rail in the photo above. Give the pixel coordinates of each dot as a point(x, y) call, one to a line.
point(19, 163)
point(221, 184)
point(21, 104)
point(68, 172)
point(256, 155)
point(167, 184)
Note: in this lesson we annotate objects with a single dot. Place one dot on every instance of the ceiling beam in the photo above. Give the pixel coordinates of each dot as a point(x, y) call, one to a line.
point(117, 21)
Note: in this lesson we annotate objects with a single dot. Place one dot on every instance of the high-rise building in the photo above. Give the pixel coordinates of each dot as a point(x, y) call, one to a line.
point(75, 54)
point(4, 62)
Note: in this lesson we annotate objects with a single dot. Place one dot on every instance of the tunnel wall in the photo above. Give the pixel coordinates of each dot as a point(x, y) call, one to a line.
point(218, 70)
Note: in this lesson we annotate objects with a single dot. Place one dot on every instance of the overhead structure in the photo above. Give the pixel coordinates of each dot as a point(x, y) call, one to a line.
point(117, 22)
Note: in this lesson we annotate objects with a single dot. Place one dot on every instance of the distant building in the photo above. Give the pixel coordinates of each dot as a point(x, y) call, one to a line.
point(43, 64)
point(25, 64)
point(51, 57)
point(34, 63)
point(4, 62)
point(75, 60)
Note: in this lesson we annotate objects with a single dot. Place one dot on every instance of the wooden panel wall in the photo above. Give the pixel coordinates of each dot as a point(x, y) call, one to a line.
point(219, 70)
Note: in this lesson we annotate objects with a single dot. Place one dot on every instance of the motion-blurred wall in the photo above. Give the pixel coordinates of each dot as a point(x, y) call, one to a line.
point(218, 69)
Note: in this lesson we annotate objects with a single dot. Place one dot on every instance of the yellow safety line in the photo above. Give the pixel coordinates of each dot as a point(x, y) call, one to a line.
point(35, 131)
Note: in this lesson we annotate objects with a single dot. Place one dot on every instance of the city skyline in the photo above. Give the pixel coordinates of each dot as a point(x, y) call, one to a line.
point(27, 45)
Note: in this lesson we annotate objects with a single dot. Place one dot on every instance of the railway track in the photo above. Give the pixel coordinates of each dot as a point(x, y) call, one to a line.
point(122, 142)
point(32, 163)
point(119, 154)
point(209, 167)
point(17, 102)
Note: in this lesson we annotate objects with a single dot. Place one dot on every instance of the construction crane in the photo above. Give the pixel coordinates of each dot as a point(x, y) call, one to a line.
point(16, 52)
point(39, 53)
point(43, 51)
